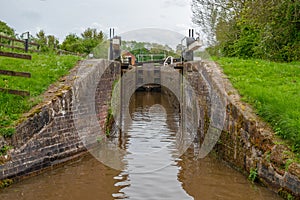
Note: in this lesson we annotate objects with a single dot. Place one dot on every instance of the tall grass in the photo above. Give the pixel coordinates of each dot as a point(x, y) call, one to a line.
point(44, 68)
point(274, 91)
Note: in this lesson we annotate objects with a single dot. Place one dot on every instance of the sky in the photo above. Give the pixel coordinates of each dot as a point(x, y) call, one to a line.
point(61, 17)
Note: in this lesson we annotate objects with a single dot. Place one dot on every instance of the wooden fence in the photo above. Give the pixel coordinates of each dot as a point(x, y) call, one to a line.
point(23, 45)
point(14, 73)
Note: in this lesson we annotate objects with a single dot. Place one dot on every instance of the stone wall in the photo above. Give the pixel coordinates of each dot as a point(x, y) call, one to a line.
point(48, 136)
point(246, 142)
point(50, 133)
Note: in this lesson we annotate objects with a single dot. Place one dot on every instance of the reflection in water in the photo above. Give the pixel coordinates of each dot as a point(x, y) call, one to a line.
point(150, 142)
point(209, 178)
point(83, 179)
point(151, 171)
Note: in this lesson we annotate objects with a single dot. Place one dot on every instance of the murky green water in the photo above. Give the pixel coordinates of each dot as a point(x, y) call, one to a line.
point(151, 169)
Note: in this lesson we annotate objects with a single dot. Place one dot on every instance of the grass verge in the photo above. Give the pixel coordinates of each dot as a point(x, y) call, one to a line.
point(45, 69)
point(273, 89)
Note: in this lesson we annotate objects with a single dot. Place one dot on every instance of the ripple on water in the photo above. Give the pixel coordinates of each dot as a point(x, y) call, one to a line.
point(153, 170)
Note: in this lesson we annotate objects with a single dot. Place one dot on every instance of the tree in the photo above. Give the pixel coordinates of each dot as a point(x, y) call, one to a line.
point(251, 28)
point(91, 38)
point(52, 42)
point(46, 42)
point(41, 39)
point(73, 43)
point(278, 22)
point(6, 30)
point(207, 14)
point(147, 51)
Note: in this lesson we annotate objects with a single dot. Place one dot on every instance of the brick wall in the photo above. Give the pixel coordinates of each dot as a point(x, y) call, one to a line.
point(74, 111)
point(246, 142)
point(49, 133)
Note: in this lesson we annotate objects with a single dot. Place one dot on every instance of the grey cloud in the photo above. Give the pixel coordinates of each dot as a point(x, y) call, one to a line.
point(32, 16)
point(163, 16)
point(179, 3)
point(63, 17)
point(154, 35)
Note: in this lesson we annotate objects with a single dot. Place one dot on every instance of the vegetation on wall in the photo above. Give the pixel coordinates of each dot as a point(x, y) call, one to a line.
point(273, 90)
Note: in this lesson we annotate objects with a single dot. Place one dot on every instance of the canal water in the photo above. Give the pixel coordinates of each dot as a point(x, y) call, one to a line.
point(151, 170)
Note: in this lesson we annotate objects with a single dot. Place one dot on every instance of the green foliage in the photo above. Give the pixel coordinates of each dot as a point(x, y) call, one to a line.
point(107, 132)
point(278, 23)
point(288, 163)
point(52, 42)
point(286, 195)
point(72, 43)
point(7, 132)
point(273, 89)
point(251, 28)
point(290, 197)
point(144, 50)
point(5, 183)
point(89, 39)
point(253, 175)
point(47, 42)
point(101, 50)
point(244, 45)
point(109, 122)
point(6, 30)
point(44, 68)
point(42, 40)
point(4, 149)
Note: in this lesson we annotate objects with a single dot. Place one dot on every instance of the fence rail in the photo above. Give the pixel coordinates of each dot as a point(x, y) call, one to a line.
point(11, 44)
point(15, 92)
point(13, 73)
point(15, 55)
point(24, 46)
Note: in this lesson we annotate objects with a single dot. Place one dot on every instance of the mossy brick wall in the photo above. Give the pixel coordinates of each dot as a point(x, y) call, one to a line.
point(48, 135)
point(246, 141)
point(193, 75)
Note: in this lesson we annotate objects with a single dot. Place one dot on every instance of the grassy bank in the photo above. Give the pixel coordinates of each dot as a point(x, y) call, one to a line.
point(44, 68)
point(274, 91)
